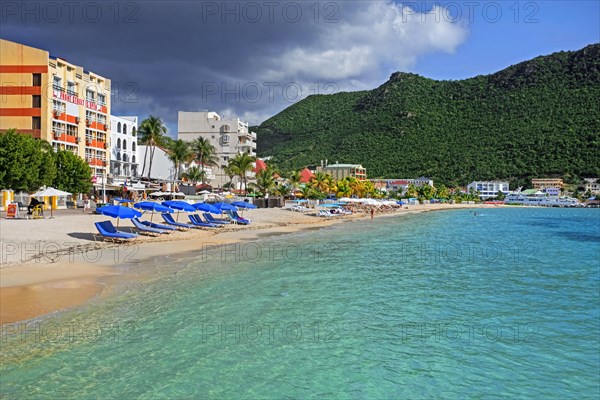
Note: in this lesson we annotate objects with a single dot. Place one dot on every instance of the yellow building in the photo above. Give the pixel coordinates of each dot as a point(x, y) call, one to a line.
point(547, 183)
point(49, 98)
point(341, 171)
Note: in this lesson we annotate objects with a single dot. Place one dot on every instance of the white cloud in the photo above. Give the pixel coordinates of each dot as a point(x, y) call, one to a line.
point(371, 40)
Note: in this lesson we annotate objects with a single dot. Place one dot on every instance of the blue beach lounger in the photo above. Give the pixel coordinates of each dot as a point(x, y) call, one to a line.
point(159, 226)
point(238, 219)
point(196, 220)
point(209, 218)
point(146, 229)
point(108, 231)
point(169, 220)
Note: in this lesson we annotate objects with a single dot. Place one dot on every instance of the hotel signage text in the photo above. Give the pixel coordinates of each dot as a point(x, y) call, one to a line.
point(76, 100)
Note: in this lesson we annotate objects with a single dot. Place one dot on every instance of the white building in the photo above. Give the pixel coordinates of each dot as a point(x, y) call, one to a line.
point(592, 185)
point(162, 168)
point(124, 154)
point(488, 189)
point(230, 137)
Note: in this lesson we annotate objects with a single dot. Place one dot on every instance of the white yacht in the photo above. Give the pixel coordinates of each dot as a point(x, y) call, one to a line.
point(532, 197)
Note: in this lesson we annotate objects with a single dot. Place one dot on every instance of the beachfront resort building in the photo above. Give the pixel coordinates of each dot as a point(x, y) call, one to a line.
point(229, 136)
point(50, 98)
point(401, 185)
point(341, 171)
point(547, 183)
point(488, 189)
point(124, 156)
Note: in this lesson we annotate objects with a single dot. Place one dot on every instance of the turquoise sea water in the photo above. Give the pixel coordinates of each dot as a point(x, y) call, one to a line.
point(438, 305)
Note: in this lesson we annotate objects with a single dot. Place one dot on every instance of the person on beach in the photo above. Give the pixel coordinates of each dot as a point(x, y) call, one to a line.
point(372, 212)
point(86, 204)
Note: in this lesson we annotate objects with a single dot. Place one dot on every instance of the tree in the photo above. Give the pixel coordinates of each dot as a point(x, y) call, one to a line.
point(442, 192)
point(265, 181)
point(75, 174)
point(205, 153)
point(151, 133)
point(231, 173)
point(242, 164)
point(194, 175)
point(343, 188)
point(179, 153)
point(25, 163)
point(283, 190)
point(321, 181)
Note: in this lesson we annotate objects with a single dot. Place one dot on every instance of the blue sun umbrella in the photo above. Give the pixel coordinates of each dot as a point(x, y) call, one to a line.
point(119, 212)
point(152, 206)
point(207, 207)
point(224, 207)
point(243, 204)
point(179, 206)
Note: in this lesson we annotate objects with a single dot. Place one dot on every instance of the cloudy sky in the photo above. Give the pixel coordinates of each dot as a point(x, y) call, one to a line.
point(255, 58)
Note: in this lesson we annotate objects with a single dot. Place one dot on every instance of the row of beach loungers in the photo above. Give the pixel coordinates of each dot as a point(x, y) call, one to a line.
point(108, 231)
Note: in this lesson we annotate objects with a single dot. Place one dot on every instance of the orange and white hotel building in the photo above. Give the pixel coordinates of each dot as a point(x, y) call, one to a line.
point(49, 98)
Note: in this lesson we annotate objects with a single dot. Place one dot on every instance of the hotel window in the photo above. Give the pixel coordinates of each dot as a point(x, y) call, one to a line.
point(124, 144)
point(118, 143)
point(89, 116)
point(37, 80)
point(101, 99)
point(119, 127)
point(72, 130)
point(124, 129)
point(57, 85)
point(36, 122)
point(133, 146)
point(89, 95)
point(36, 101)
point(71, 88)
point(89, 135)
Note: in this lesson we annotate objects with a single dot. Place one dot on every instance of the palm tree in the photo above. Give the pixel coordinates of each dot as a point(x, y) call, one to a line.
point(294, 179)
point(283, 190)
point(343, 188)
point(151, 133)
point(205, 153)
point(321, 181)
point(264, 180)
point(230, 171)
point(194, 174)
point(179, 152)
point(242, 164)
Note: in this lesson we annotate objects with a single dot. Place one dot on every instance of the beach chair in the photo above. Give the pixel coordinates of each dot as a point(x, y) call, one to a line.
point(197, 221)
point(147, 229)
point(238, 217)
point(108, 231)
point(167, 228)
point(209, 218)
point(236, 220)
point(169, 220)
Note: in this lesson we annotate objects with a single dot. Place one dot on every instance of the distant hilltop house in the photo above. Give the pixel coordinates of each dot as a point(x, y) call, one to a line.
point(488, 189)
point(544, 183)
point(229, 136)
point(592, 185)
point(341, 171)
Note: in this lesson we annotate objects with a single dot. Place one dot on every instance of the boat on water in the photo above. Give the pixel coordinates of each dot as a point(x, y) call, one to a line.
point(532, 197)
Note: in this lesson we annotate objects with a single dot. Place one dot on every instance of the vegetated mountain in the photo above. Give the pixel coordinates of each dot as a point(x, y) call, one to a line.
point(534, 119)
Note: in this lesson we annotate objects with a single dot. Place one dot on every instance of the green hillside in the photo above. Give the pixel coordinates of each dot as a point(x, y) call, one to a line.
point(537, 118)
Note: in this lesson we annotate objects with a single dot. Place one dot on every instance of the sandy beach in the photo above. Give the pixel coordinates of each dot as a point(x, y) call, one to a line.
point(52, 264)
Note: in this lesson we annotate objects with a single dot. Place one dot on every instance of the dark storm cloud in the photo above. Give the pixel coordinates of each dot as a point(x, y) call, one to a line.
point(248, 58)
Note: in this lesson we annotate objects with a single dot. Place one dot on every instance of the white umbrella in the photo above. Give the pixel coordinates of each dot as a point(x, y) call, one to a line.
point(50, 192)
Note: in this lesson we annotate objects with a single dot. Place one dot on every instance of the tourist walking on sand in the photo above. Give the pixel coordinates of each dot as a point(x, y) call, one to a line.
point(372, 212)
point(86, 204)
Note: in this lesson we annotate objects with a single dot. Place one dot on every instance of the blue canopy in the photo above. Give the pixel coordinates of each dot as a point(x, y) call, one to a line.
point(119, 212)
point(224, 206)
point(179, 205)
point(207, 207)
point(152, 206)
point(243, 204)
